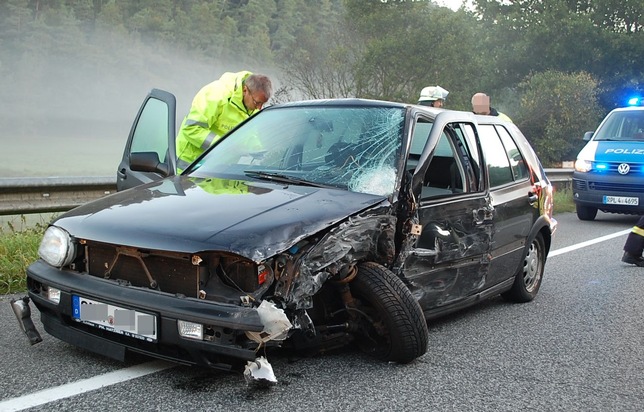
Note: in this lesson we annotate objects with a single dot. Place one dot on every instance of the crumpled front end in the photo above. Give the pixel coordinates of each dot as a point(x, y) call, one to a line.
point(206, 308)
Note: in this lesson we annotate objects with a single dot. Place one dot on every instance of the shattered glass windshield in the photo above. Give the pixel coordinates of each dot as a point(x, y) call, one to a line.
point(351, 148)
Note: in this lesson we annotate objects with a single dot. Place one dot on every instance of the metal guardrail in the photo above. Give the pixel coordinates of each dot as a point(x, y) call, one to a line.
point(25, 195)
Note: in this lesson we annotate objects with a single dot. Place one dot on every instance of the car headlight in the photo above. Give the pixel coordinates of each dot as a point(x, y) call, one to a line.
point(583, 166)
point(57, 247)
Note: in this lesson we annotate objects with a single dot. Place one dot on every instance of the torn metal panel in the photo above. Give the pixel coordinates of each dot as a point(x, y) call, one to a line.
point(363, 237)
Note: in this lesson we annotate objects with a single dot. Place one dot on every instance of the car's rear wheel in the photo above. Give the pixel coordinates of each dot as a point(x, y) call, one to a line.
point(391, 324)
point(527, 280)
point(586, 212)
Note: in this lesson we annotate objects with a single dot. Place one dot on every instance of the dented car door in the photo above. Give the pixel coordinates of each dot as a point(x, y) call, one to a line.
point(450, 260)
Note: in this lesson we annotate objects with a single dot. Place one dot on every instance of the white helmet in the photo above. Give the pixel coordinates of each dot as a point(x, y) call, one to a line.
point(431, 93)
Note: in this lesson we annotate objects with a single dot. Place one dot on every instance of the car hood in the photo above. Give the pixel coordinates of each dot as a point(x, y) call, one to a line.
point(253, 219)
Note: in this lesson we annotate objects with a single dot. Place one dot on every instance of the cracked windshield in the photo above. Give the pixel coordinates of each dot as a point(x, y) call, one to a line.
point(355, 149)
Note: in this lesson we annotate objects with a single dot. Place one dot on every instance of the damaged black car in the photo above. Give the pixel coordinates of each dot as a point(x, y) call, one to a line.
point(313, 225)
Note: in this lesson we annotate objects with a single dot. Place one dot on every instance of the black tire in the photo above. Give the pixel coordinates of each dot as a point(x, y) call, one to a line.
point(393, 327)
point(586, 212)
point(528, 278)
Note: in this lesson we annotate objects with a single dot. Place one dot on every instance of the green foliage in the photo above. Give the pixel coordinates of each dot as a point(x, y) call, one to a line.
point(556, 109)
point(602, 37)
point(18, 249)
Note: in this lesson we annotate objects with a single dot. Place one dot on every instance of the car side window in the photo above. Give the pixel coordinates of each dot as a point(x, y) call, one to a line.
point(151, 134)
point(467, 139)
point(498, 164)
point(445, 174)
point(517, 163)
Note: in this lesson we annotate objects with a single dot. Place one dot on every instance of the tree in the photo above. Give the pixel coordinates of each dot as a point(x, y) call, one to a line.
point(602, 37)
point(556, 109)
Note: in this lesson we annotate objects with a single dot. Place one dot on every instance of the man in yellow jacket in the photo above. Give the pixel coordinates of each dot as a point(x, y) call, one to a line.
point(216, 109)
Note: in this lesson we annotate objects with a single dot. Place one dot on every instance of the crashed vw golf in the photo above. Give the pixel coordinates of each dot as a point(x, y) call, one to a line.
point(311, 226)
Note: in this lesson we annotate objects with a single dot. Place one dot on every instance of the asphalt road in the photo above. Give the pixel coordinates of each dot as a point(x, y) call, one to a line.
point(579, 346)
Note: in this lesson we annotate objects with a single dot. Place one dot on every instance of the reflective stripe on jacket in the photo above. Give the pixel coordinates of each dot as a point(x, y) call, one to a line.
point(216, 109)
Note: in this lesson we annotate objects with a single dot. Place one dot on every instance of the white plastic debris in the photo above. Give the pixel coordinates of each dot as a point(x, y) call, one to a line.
point(276, 324)
point(259, 371)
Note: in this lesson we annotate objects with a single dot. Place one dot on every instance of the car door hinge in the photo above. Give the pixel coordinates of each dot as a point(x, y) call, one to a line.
point(415, 229)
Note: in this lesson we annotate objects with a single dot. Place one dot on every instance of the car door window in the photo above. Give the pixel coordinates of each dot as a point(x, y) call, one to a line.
point(151, 133)
point(517, 163)
point(454, 166)
point(498, 164)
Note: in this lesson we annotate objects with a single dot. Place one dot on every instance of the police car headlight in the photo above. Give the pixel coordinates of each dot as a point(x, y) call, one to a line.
point(57, 247)
point(583, 166)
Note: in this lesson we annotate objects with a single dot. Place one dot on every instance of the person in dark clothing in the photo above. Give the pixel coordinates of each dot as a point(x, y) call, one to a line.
point(634, 245)
point(481, 105)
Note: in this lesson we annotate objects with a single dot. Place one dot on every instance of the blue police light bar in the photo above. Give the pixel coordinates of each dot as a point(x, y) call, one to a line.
point(635, 101)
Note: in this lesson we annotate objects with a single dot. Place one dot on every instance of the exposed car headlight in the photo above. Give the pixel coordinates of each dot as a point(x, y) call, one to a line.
point(57, 247)
point(583, 166)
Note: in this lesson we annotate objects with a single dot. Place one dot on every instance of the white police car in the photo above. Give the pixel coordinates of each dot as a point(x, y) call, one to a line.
point(609, 171)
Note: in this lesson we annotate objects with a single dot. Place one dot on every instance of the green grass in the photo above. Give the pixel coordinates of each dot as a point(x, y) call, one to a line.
point(19, 245)
point(563, 201)
point(18, 249)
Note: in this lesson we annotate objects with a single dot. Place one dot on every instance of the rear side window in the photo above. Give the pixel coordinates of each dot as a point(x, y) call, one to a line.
point(504, 161)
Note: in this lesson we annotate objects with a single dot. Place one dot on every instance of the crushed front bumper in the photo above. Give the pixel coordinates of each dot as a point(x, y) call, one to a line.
point(220, 350)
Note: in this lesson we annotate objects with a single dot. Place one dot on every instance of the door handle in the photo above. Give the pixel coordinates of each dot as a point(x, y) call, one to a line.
point(122, 173)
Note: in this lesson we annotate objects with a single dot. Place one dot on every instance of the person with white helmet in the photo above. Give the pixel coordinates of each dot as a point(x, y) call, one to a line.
point(433, 96)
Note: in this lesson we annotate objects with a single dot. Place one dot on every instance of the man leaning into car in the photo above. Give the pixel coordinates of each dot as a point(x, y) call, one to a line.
point(216, 109)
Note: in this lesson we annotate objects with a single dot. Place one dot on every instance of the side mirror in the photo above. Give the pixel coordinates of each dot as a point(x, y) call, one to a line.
point(148, 162)
point(587, 136)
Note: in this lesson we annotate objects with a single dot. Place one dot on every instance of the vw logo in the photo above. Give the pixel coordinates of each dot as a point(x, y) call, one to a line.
point(623, 168)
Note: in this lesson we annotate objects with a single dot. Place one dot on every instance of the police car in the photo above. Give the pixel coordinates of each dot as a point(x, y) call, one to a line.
point(609, 171)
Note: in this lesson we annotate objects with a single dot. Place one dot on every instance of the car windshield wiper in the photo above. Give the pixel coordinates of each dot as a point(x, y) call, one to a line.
point(282, 178)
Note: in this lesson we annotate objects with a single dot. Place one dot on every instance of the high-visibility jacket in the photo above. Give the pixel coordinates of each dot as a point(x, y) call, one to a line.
point(216, 109)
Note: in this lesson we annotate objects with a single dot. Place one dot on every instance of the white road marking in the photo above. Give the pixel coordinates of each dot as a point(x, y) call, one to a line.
point(85, 385)
point(111, 378)
point(587, 243)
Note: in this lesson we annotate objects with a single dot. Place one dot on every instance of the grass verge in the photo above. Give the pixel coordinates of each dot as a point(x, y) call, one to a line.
point(563, 201)
point(18, 249)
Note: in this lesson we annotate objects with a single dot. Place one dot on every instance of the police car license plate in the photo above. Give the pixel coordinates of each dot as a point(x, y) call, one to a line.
point(114, 319)
point(621, 200)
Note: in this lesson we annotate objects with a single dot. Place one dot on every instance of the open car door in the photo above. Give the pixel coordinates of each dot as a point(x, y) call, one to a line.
point(150, 152)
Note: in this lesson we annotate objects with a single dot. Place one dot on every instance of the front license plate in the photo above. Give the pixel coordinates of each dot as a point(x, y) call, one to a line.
point(621, 200)
point(114, 319)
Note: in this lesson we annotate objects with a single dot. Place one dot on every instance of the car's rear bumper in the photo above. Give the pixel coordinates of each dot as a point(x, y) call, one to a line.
point(228, 322)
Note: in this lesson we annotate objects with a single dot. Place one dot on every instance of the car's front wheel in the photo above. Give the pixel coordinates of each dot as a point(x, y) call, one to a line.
point(527, 280)
point(391, 324)
point(586, 212)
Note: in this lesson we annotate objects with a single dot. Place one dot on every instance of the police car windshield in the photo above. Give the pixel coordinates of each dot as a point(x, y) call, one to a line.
point(622, 126)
